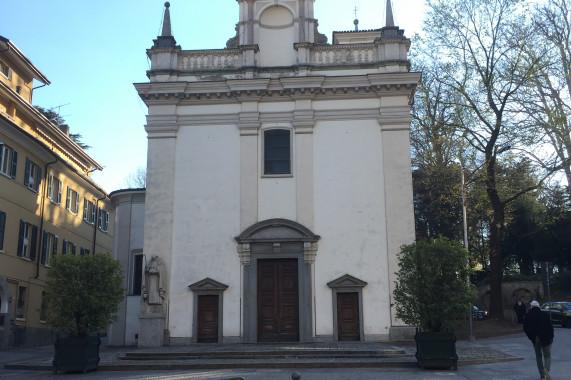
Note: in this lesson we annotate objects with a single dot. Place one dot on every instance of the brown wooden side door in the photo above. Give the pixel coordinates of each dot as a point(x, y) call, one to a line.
point(348, 325)
point(207, 319)
point(278, 301)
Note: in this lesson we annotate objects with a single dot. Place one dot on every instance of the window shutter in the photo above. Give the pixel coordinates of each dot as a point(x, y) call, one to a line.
point(106, 221)
point(44, 248)
point(93, 213)
point(38, 179)
point(33, 243)
point(59, 192)
point(14, 164)
point(21, 238)
point(85, 210)
point(27, 172)
point(76, 211)
point(51, 187)
point(54, 252)
point(2, 228)
point(73, 249)
point(64, 247)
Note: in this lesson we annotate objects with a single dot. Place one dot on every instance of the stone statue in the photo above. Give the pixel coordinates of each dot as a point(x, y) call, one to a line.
point(152, 291)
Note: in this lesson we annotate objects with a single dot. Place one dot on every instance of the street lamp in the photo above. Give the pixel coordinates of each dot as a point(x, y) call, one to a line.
point(465, 227)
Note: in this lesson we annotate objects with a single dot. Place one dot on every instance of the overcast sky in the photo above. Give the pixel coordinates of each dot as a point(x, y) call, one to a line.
point(93, 52)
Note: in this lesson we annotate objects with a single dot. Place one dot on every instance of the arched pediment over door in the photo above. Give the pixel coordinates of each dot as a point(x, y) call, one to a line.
point(277, 235)
point(279, 251)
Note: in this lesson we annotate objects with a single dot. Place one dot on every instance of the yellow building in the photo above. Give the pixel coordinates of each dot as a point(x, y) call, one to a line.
point(48, 203)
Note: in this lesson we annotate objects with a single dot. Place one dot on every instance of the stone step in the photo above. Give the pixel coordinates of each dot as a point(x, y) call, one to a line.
point(265, 354)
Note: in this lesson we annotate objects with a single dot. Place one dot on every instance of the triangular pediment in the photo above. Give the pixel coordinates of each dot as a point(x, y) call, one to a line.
point(347, 281)
point(208, 284)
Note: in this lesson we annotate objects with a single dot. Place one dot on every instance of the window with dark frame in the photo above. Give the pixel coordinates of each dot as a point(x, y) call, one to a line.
point(21, 302)
point(277, 151)
point(137, 274)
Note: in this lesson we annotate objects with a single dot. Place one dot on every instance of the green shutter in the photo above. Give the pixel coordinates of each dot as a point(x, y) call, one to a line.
point(21, 237)
point(55, 246)
point(44, 248)
point(38, 178)
point(14, 164)
point(34, 243)
point(2, 228)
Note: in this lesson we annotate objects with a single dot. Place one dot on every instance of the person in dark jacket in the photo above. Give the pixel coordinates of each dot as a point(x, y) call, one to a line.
point(539, 330)
point(519, 309)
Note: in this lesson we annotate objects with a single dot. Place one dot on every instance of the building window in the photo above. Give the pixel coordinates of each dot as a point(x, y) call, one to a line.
point(137, 275)
point(54, 189)
point(68, 247)
point(88, 211)
point(21, 302)
point(43, 307)
point(72, 201)
point(2, 229)
point(83, 251)
point(49, 247)
point(277, 151)
point(5, 70)
point(27, 240)
point(33, 176)
point(103, 220)
point(8, 160)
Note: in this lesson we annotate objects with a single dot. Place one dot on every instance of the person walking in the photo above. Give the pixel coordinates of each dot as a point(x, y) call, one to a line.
point(519, 309)
point(539, 329)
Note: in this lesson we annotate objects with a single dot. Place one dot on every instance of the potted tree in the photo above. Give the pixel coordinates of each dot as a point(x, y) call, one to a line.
point(82, 296)
point(433, 293)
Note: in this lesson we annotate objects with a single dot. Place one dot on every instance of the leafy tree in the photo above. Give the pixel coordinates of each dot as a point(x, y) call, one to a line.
point(478, 48)
point(58, 120)
point(83, 292)
point(432, 291)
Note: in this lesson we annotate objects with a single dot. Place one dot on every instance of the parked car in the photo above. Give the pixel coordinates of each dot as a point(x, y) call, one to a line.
point(560, 312)
point(478, 314)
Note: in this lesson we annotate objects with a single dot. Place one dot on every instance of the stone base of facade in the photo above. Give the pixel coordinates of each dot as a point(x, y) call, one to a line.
point(24, 337)
point(402, 333)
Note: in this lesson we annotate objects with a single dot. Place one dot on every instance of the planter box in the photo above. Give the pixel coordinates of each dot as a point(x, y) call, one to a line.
point(76, 354)
point(436, 350)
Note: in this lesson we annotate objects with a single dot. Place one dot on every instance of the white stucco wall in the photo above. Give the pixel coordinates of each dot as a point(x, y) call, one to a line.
point(349, 216)
point(206, 219)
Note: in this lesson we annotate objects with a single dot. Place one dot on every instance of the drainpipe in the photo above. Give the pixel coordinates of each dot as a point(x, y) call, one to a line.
point(42, 207)
point(95, 226)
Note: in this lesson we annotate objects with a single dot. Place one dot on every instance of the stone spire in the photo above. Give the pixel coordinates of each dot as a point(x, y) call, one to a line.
point(166, 39)
point(390, 31)
point(167, 21)
point(390, 19)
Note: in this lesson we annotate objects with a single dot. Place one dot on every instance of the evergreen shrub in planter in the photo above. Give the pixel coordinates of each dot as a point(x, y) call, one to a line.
point(433, 294)
point(82, 295)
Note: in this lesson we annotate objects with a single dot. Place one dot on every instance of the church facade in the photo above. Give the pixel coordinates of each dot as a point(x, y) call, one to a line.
point(279, 182)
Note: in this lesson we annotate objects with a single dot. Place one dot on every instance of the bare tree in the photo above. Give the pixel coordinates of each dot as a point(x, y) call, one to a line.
point(479, 48)
point(547, 103)
point(136, 179)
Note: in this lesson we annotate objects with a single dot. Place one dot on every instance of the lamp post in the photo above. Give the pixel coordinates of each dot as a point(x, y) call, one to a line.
point(465, 228)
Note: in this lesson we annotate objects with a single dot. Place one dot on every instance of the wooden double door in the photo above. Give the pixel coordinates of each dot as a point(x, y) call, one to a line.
point(278, 300)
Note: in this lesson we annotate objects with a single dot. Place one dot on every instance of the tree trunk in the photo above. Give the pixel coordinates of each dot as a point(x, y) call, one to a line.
point(496, 233)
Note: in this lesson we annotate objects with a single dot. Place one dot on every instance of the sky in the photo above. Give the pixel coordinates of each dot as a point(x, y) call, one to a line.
point(93, 51)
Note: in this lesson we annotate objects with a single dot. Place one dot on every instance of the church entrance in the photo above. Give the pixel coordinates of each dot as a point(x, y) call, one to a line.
point(207, 319)
point(278, 300)
point(348, 316)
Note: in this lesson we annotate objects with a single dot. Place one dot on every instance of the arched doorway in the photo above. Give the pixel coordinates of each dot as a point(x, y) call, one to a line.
point(277, 256)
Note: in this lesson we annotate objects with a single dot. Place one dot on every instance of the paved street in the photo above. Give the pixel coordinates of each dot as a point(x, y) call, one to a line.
point(517, 345)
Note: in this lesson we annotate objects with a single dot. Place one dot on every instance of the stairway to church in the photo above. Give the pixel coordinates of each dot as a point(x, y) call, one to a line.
point(219, 356)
